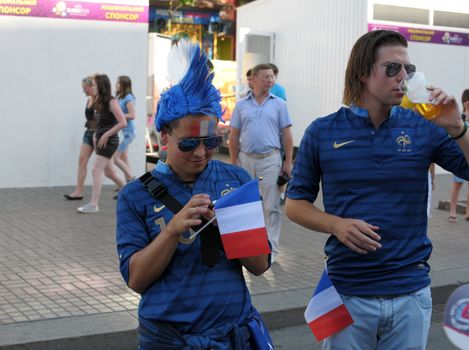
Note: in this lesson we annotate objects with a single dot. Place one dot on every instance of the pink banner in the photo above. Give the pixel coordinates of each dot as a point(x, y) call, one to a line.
point(75, 10)
point(424, 35)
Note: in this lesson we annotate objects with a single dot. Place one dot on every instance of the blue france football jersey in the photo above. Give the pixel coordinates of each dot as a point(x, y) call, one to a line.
point(191, 296)
point(379, 176)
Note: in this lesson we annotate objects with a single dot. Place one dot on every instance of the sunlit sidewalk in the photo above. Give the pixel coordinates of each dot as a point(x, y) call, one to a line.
point(56, 263)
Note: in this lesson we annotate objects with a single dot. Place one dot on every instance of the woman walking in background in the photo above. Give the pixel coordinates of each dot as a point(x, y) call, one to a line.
point(110, 119)
point(458, 182)
point(126, 102)
point(86, 148)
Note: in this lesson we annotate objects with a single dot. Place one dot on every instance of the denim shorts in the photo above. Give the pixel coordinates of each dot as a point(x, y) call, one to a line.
point(458, 179)
point(385, 323)
point(127, 137)
point(88, 138)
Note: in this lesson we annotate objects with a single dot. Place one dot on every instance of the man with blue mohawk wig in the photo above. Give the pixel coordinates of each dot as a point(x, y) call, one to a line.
point(186, 304)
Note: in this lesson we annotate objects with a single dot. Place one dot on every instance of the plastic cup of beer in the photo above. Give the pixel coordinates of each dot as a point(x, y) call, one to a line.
point(406, 103)
point(414, 86)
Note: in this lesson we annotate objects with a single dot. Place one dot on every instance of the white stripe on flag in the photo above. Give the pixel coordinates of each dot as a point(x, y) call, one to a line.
point(204, 124)
point(240, 217)
point(322, 303)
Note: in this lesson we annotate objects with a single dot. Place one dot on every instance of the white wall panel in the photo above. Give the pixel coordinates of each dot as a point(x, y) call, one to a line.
point(42, 103)
point(444, 66)
point(313, 39)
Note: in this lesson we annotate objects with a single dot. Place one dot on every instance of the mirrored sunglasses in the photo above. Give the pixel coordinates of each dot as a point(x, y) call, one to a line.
point(393, 68)
point(188, 145)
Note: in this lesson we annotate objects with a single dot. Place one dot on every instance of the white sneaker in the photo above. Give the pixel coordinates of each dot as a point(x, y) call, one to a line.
point(88, 209)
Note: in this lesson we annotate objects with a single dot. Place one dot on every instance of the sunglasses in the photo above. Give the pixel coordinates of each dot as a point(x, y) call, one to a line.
point(393, 68)
point(188, 145)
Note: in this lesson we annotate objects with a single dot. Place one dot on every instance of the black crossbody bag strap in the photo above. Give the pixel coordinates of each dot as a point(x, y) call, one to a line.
point(210, 242)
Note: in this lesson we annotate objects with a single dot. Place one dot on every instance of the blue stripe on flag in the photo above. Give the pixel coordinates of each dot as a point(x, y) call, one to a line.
point(323, 284)
point(247, 193)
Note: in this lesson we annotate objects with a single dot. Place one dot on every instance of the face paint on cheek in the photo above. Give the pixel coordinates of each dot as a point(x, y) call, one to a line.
point(204, 127)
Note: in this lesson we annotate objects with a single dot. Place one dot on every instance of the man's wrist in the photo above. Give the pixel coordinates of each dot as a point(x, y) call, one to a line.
point(331, 225)
point(170, 232)
point(459, 133)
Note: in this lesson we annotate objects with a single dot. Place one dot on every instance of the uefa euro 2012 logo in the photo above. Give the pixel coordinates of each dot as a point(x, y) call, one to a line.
point(60, 9)
point(456, 318)
point(459, 314)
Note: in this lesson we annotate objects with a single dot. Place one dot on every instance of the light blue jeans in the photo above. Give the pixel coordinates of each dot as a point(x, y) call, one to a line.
point(385, 323)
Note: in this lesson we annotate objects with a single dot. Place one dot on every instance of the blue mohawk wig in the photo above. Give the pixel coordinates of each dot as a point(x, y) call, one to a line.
point(191, 89)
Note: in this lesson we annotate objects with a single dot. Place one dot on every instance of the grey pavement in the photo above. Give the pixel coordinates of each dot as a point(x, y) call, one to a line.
point(60, 286)
point(299, 337)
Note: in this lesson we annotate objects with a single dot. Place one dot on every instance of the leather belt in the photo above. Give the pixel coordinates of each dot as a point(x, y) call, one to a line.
point(261, 155)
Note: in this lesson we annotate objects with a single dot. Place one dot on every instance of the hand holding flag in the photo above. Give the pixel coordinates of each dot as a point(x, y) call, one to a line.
point(241, 222)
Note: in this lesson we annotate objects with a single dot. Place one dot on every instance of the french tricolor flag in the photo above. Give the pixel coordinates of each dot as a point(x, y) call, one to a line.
point(241, 222)
point(326, 314)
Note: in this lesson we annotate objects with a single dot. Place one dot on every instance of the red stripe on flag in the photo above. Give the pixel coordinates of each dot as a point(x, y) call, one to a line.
point(331, 323)
point(247, 243)
point(195, 129)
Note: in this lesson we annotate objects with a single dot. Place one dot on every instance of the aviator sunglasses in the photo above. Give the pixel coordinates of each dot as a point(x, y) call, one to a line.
point(188, 145)
point(393, 68)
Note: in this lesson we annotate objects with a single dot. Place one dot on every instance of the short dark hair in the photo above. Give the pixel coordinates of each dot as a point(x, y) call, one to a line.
point(465, 96)
point(274, 68)
point(363, 57)
point(168, 128)
point(249, 72)
point(259, 67)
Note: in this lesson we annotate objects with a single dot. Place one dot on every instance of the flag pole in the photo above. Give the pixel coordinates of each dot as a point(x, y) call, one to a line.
point(200, 230)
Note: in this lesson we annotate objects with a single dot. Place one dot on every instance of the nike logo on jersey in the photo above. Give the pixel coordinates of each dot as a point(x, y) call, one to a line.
point(338, 145)
point(157, 210)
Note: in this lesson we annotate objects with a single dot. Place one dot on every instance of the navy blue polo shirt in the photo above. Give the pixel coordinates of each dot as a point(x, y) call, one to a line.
point(192, 297)
point(379, 176)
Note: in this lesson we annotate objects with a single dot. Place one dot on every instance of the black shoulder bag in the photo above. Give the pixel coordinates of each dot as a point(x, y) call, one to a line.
point(210, 242)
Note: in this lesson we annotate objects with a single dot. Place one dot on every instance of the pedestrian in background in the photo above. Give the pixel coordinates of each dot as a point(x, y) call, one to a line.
point(110, 119)
point(247, 89)
point(277, 89)
point(87, 145)
point(371, 160)
point(457, 181)
point(258, 120)
point(126, 101)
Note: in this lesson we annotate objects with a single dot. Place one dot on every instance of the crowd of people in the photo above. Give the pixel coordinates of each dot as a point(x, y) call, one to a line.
point(371, 159)
point(106, 115)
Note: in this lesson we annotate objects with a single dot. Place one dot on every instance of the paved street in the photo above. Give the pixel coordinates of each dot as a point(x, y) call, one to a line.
point(56, 264)
point(300, 337)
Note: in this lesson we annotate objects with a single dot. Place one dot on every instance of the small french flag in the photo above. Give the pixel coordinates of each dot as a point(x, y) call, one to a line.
point(326, 314)
point(241, 222)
